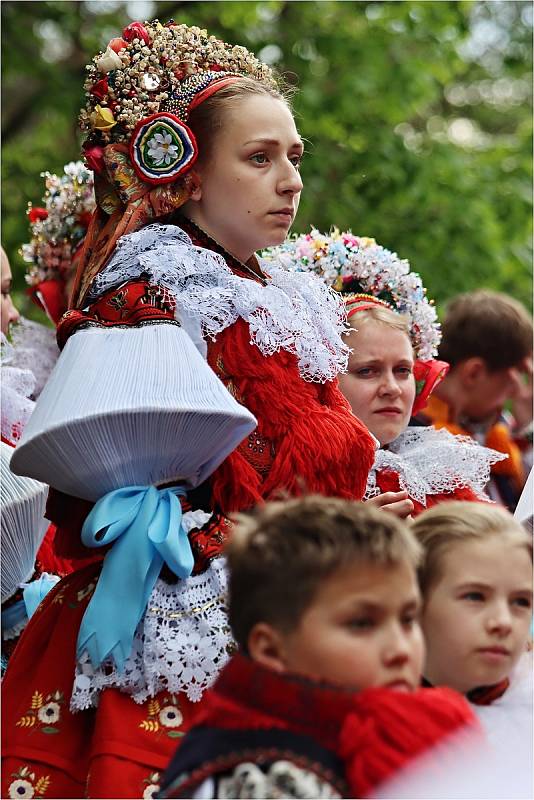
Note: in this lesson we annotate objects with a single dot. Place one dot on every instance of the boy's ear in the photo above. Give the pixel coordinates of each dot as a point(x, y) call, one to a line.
point(266, 647)
point(472, 369)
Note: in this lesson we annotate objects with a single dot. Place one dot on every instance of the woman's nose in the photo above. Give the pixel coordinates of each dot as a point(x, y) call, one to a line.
point(290, 180)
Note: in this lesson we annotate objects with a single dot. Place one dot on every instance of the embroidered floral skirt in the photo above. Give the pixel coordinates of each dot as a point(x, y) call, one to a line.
point(118, 749)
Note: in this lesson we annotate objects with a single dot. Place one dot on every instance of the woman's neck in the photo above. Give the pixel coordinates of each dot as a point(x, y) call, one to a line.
point(251, 268)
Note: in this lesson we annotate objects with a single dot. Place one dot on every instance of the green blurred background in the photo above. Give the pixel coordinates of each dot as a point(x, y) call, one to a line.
point(417, 115)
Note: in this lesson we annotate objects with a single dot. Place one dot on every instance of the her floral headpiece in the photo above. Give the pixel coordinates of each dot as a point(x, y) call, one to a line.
point(57, 229)
point(140, 90)
point(139, 95)
point(358, 265)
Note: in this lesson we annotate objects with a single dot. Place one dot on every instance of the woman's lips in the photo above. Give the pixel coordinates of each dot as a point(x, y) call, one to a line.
point(494, 653)
point(389, 412)
point(285, 215)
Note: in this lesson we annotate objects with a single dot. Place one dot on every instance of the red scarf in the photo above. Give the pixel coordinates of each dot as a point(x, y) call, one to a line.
point(374, 732)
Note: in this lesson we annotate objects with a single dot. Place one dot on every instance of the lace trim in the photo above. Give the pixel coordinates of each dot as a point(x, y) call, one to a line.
point(294, 312)
point(181, 644)
point(35, 349)
point(430, 461)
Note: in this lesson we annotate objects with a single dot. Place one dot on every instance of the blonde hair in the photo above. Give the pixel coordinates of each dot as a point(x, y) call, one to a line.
point(382, 315)
point(450, 523)
point(279, 556)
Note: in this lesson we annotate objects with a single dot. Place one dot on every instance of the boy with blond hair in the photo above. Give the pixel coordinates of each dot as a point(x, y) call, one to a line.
point(322, 700)
point(476, 583)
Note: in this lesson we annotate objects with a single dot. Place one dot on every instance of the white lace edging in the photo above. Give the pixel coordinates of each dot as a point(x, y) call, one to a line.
point(295, 312)
point(180, 645)
point(34, 348)
point(430, 461)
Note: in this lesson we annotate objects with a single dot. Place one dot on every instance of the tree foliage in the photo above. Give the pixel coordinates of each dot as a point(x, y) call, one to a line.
point(417, 117)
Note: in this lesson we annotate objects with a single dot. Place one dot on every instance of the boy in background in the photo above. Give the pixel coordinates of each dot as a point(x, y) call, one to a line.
point(487, 340)
point(322, 700)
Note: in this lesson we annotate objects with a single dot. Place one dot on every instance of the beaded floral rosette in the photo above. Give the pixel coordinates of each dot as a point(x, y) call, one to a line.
point(357, 264)
point(141, 89)
point(58, 228)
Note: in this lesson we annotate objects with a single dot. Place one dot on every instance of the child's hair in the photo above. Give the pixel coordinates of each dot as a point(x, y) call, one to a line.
point(486, 325)
point(279, 556)
point(383, 315)
point(450, 523)
point(206, 119)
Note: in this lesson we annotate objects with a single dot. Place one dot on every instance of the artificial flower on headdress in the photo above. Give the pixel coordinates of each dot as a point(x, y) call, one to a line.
point(57, 229)
point(357, 264)
point(363, 270)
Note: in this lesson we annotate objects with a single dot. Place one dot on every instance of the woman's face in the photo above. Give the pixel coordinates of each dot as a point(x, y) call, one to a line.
point(250, 186)
point(8, 312)
point(379, 384)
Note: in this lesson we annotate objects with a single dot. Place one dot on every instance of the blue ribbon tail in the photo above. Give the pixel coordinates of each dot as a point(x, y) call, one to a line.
point(33, 593)
point(144, 525)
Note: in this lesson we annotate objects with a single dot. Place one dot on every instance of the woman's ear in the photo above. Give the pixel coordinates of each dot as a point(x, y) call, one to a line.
point(196, 182)
point(266, 647)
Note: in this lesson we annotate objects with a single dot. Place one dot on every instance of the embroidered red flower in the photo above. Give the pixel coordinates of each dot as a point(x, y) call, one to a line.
point(37, 213)
point(136, 30)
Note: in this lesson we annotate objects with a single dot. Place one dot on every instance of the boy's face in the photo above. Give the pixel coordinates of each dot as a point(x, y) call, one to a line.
point(476, 618)
point(488, 391)
point(361, 630)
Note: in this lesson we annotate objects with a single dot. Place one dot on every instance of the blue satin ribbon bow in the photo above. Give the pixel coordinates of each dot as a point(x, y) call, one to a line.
point(145, 524)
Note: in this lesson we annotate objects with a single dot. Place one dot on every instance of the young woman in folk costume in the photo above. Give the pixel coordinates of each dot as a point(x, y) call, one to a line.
point(57, 231)
point(393, 336)
point(196, 159)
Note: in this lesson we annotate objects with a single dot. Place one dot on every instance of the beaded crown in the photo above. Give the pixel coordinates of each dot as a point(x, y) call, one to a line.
point(59, 226)
point(357, 265)
point(139, 92)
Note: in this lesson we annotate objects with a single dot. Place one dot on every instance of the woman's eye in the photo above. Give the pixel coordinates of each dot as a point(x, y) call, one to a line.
point(364, 372)
point(404, 371)
point(259, 158)
point(296, 161)
point(409, 620)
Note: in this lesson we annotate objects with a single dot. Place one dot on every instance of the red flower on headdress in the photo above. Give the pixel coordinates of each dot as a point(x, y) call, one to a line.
point(37, 213)
point(117, 44)
point(100, 89)
point(136, 30)
point(94, 158)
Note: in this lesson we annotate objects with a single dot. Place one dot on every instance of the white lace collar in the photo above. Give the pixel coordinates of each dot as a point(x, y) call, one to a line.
point(430, 461)
point(295, 312)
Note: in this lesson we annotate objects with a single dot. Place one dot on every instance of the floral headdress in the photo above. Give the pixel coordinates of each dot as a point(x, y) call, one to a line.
point(368, 274)
point(357, 265)
point(139, 95)
point(57, 230)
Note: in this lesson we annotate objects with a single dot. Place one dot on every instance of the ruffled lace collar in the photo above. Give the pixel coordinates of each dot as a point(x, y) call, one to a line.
point(293, 311)
point(430, 461)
